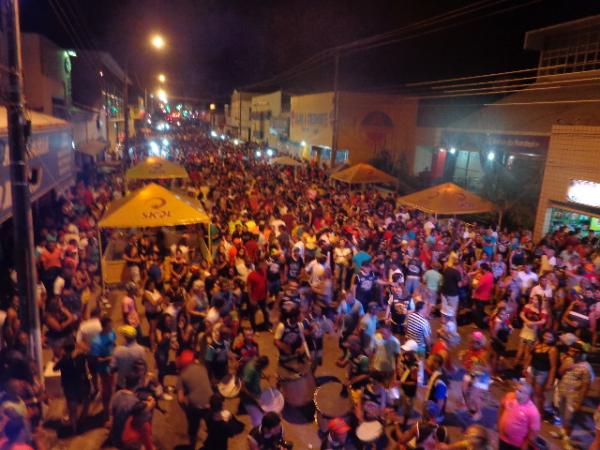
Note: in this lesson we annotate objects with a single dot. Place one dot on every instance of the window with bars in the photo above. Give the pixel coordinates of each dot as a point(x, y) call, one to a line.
point(574, 52)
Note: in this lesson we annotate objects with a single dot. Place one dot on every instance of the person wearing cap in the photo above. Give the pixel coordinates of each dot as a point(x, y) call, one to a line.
point(519, 421)
point(338, 436)
point(125, 356)
point(193, 393)
point(409, 377)
point(426, 433)
point(576, 375)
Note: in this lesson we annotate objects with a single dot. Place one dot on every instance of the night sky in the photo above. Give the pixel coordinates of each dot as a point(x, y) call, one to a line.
point(218, 45)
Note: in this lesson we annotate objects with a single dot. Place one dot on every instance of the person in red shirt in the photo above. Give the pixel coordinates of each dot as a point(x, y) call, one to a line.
point(482, 293)
point(257, 294)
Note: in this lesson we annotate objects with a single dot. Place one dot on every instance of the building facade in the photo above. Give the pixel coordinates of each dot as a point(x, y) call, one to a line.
point(238, 113)
point(46, 75)
point(98, 83)
point(510, 138)
point(570, 194)
point(369, 126)
point(270, 119)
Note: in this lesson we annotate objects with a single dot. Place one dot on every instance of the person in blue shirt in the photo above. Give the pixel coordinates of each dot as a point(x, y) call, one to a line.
point(101, 350)
point(360, 258)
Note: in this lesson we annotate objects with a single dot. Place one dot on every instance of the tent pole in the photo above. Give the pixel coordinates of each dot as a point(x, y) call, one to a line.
point(210, 253)
point(101, 261)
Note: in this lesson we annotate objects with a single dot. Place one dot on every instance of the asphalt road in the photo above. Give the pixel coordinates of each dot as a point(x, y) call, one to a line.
point(170, 429)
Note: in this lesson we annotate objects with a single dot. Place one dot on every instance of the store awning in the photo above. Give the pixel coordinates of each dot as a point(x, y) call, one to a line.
point(91, 148)
point(156, 169)
point(363, 173)
point(447, 199)
point(152, 206)
point(285, 161)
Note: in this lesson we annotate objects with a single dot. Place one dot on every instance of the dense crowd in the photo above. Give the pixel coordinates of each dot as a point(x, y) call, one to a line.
point(298, 256)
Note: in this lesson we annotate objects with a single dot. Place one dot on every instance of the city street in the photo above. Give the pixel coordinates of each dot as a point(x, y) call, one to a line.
point(170, 428)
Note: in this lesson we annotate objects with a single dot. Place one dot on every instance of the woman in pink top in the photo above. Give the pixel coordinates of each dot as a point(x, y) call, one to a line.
point(519, 420)
point(483, 293)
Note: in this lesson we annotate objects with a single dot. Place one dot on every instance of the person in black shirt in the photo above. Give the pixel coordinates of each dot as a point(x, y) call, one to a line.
point(75, 381)
point(295, 263)
point(450, 290)
point(365, 283)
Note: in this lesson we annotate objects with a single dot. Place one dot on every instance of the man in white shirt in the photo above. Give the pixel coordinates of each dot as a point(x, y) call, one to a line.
point(543, 289)
point(527, 277)
point(342, 256)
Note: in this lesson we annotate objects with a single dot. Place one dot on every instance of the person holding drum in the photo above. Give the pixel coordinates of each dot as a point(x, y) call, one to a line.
point(425, 434)
point(371, 404)
point(290, 340)
point(349, 313)
point(252, 373)
point(316, 325)
point(357, 362)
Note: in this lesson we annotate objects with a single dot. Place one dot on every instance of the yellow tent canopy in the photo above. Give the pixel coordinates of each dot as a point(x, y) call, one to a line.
point(285, 161)
point(363, 173)
point(447, 198)
point(153, 206)
point(156, 169)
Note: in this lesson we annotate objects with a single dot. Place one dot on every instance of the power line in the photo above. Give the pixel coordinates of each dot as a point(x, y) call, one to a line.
point(391, 36)
point(328, 53)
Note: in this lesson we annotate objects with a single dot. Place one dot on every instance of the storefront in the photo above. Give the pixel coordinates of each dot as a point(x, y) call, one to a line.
point(570, 194)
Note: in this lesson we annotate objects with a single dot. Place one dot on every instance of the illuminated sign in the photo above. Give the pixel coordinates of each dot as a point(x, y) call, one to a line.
point(584, 192)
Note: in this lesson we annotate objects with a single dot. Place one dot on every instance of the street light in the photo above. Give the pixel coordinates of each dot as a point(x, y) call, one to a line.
point(212, 106)
point(161, 95)
point(157, 41)
point(162, 78)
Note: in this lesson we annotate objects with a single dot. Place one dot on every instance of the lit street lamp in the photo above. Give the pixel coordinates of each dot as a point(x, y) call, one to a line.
point(158, 41)
point(162, 78)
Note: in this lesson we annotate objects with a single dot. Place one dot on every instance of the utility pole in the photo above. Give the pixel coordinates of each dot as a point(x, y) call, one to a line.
point(336, 109)
point(240, 133)
point(19, 176)
point(126, 117)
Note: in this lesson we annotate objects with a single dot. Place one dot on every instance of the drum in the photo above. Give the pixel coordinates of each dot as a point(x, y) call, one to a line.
point(369, 432)
point(230, 386)
point(297, 383)
point(392, 396)
point(271, 400)
point(330, 403)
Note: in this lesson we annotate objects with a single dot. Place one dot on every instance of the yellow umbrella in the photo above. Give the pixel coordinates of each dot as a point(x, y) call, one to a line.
point(154, 168)
point(363, 173)
point(153, 206)
point(447, 198)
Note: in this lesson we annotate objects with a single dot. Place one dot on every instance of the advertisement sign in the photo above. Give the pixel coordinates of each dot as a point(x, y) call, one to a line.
point(509, 143)
point(584, 192)
point(51, 155)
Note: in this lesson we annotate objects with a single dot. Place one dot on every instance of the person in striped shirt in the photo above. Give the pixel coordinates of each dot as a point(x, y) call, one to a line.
point(418, 329)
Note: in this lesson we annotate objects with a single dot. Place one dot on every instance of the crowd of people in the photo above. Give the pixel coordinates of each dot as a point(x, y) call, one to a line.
point(298, 256)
